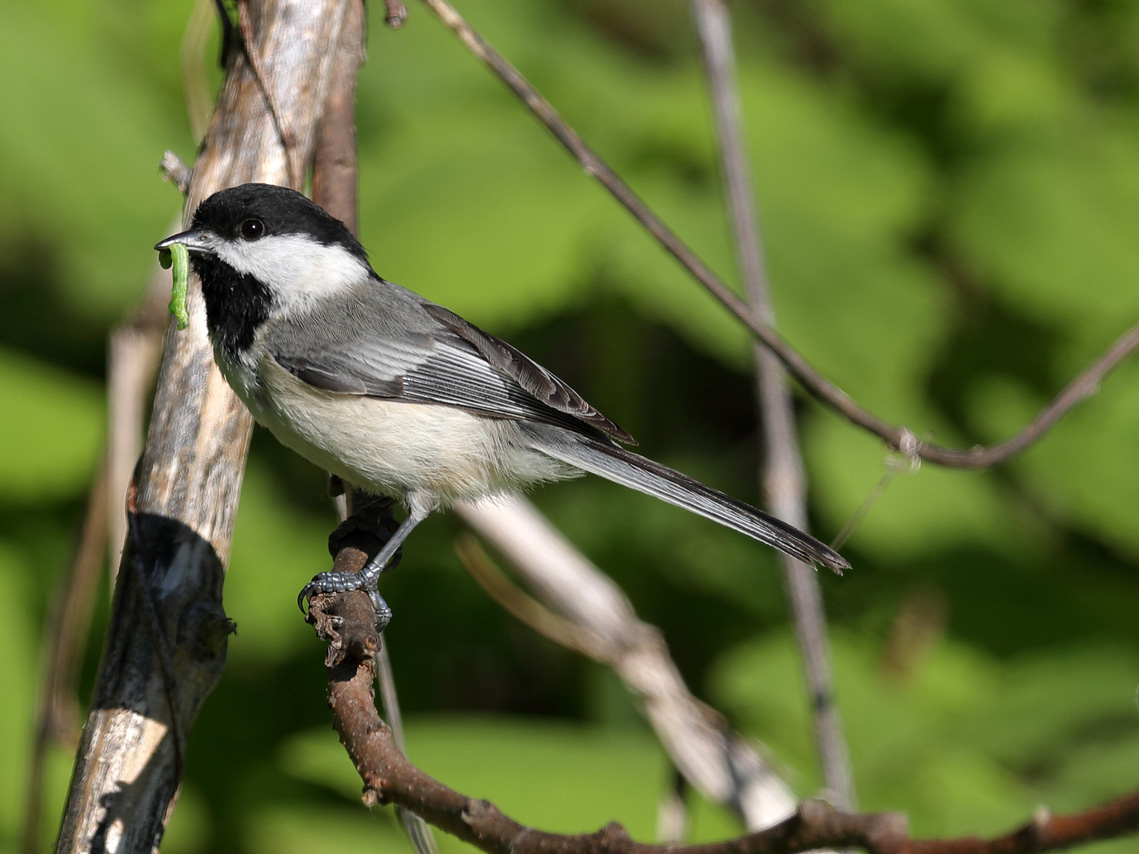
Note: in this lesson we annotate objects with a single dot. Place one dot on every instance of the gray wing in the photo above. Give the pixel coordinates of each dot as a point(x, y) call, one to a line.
point(390, 343)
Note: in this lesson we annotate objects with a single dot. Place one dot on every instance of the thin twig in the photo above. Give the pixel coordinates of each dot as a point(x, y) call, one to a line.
point(334, 187)
point(896, 436)
point(175, 170)
point(395, 13)
point(527, 609)
point(784, 480)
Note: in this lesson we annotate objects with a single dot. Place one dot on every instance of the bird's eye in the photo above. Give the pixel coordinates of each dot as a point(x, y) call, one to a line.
point(251, 229)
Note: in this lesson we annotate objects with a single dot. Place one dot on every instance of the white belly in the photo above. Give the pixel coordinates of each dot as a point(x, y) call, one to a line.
point(434, 454)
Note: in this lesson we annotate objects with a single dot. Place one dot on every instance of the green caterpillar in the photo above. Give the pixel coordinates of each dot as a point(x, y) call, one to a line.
point(178, 256)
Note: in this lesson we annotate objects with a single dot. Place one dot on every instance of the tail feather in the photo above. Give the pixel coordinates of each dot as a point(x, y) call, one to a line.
point(636, 472)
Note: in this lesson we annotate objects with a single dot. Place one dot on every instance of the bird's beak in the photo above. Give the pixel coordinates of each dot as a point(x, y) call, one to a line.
point(196, 240)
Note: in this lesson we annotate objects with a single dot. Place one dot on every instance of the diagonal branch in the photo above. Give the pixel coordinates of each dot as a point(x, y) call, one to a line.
point(897, 437)
point(165, 645)
point(596, 618)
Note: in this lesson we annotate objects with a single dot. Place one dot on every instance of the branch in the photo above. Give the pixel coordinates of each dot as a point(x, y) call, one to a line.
point(395, 13)
point(165, 646)
point(596, 618)
point(132, 360)
point(334, 188)
point(898, 437)
point(390, 778)
point(784, 480)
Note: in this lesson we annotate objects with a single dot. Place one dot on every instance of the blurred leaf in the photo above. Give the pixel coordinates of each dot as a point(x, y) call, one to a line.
point(1099, 770)
point(600, 775)
point(17, 670)
point(936, 39)
point(190, 826)
point(81, 163)
point(1072, 470)
point(1009, 91)
point(284, 828)
point(56, 421)
point(1042, 714)
point(963, 745)
point(501, 203)
point(1051, 223)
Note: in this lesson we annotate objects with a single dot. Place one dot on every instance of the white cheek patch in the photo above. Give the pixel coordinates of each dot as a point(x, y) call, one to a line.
point(295, 267)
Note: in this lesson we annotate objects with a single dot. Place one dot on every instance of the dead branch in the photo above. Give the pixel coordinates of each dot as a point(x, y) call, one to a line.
point(395, 14)
point(334, 188)
point(390, 778)
point(783, 478)
point(165, 645)
point(897, 437)
point(597, 619)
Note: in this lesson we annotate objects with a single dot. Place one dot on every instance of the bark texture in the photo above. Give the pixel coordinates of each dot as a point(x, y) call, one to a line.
point(165, 647)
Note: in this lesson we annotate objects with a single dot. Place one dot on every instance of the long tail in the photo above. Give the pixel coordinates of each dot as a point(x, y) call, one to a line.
point(636, 472)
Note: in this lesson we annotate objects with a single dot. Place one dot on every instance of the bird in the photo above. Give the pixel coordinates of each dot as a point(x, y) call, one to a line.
point(398, 395)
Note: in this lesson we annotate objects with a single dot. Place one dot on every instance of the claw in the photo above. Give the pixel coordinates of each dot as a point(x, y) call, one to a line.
point(367, 578)
point(322, 582)
point(331, 582)
point(383, 612)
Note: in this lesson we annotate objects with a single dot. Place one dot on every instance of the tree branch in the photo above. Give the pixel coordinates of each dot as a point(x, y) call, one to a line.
point(898, 437)
point(597, 619)
point(334, 188)
point(165, 645)
point(783, 478)
point(390, 778)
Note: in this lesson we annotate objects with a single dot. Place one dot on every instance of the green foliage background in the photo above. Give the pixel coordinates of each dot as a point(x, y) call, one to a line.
point(950, 196)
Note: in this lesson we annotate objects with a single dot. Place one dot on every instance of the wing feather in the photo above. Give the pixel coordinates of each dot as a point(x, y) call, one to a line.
point(432, 356)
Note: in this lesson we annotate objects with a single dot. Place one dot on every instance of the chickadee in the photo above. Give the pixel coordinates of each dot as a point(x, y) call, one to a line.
point(398, 395)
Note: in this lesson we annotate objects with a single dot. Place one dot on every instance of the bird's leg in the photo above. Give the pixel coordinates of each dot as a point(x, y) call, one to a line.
point(367, 578)
point(370, 525)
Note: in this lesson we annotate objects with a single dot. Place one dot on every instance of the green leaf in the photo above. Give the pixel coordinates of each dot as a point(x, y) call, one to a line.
point(56, 421)
point(1050, 222)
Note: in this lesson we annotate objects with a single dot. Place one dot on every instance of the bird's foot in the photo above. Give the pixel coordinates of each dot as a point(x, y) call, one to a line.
point(346, 582)
point(370, 531)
